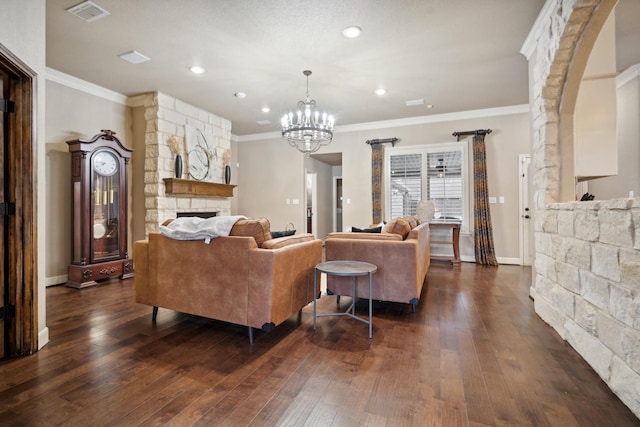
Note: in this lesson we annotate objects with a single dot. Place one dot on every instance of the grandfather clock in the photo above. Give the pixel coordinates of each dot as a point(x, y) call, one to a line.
point(99, 206)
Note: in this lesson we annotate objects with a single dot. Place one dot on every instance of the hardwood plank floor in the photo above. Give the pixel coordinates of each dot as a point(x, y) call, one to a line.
point(474, 354)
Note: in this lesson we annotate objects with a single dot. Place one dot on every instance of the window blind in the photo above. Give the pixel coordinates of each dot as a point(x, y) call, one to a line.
point(434, 175)
point(444, 184)
point(406, 184)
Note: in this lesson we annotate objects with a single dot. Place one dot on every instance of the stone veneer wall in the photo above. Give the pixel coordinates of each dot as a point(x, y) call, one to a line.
point(587, 286)
point(166, 116)
point(587, 268)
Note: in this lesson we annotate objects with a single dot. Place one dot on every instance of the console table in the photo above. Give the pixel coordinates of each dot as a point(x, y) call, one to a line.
point(349, 269)
point(455, 241)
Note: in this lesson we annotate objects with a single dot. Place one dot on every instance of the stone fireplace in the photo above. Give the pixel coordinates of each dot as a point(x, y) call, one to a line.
point(168, 117)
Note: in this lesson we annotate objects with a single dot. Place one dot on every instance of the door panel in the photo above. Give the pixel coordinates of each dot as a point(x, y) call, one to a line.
point(4, 81)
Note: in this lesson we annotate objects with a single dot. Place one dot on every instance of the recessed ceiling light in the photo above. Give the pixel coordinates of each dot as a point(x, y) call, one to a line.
point(266, 109)
point(429, 105)
point(380, 92)
point(134, 57)
point(413, 102)
point(240, 95)
point(263, 122)
point(196, 69)
point(351, 32)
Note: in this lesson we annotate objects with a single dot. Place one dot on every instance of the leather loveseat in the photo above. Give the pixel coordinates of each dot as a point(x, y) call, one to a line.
point(401, 253)
point(246, 278)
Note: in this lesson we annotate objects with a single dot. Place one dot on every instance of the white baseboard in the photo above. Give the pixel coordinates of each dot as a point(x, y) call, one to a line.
point(55, 280)
point(43, 337)
point(464, 258)
point(513, 261)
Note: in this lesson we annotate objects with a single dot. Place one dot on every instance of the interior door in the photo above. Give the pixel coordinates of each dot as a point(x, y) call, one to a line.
point(4, 91)
point(338, 204)
point(311, 201)
point(526, 213)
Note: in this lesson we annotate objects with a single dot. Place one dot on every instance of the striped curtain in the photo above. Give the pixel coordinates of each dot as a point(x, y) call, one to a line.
point(483, 230)
point(377, 159)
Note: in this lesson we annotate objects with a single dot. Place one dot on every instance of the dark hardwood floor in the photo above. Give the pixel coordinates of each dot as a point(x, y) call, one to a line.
point(475, 353)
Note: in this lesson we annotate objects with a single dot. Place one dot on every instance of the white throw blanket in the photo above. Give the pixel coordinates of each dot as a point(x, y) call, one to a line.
point(195, 228)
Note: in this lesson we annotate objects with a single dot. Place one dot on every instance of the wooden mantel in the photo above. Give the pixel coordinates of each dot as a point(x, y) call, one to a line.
point(189, 187)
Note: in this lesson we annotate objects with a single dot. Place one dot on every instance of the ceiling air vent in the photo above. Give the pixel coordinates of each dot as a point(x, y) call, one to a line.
point(88, 11)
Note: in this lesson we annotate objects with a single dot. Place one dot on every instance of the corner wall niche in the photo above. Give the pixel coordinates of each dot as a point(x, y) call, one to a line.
point(167, 122)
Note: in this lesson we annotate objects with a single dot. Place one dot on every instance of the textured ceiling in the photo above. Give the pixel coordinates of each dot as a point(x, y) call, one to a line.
point(458, 55)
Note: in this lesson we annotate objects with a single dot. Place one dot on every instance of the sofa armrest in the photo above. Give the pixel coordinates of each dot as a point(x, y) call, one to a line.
point(281, 280)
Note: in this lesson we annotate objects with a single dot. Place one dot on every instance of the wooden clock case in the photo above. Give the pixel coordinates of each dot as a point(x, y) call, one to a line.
point(100, 211)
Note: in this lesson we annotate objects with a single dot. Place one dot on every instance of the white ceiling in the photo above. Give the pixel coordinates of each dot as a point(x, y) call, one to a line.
point(458, 55)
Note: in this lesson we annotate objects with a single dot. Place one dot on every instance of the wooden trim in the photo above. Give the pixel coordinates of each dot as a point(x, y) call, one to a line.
point(21, 189)
point(189, 187)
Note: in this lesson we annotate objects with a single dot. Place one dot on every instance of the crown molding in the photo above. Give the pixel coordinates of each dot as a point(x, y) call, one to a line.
point(135, 101)
point(409, 121)
point(633, 72)
point(539, 25)
point(84, 86)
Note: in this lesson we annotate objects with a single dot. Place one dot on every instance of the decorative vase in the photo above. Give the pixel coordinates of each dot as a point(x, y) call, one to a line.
point(178, 166)
point(227, 174)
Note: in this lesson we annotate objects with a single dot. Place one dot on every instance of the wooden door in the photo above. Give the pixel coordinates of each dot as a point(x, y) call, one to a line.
point(4, 81)
point(18, 225)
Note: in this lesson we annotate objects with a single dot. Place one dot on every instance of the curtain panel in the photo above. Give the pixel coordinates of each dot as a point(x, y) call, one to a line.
point(377, 159)
point(483, 229)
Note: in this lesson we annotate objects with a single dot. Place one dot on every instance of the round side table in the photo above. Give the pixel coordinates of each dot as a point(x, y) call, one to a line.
point(351, 269)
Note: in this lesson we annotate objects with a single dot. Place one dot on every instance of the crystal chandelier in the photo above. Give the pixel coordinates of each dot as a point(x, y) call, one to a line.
point(307, 130)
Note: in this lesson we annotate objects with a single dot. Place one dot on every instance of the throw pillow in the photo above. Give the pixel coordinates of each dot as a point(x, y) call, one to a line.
point(398, 226)
point(276, 234)
point(259, 229)
point(367, 230)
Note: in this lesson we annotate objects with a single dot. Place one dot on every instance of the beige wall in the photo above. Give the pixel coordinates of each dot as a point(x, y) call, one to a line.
point(71, 114)
point(270, 172)
point(22, 32)
point(628, 125)
point(272, 165)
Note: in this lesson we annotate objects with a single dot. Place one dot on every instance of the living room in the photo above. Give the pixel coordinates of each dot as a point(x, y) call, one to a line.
point(265, 162)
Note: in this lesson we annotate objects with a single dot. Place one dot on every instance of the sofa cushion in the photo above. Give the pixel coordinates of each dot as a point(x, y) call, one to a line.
point(281, 242)
point(397, 226)
point(259, 229)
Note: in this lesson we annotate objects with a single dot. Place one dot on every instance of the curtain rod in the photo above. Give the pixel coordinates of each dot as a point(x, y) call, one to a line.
point(472, 132)
point(391, 141)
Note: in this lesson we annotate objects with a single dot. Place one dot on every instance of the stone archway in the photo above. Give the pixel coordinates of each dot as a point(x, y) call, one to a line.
point(587, 254)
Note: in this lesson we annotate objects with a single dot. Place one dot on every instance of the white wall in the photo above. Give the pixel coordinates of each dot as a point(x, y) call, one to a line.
point(22, 32)
point(272, 165)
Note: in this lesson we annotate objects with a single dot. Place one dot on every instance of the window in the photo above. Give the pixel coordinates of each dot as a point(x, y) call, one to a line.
point(436, 172)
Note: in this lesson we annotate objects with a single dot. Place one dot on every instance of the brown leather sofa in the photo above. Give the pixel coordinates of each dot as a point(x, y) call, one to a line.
point(401, 253)
point(246, 278)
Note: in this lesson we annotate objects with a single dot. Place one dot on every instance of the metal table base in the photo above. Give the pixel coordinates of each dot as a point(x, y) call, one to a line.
point(351, 269)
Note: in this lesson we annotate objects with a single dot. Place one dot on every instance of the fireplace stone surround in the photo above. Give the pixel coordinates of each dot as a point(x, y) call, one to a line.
point(164, 117)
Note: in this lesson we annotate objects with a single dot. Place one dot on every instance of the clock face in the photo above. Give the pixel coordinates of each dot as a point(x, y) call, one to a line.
point(105, 163)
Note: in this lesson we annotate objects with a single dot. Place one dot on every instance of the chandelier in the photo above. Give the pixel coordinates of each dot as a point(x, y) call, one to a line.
point(307, 130)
